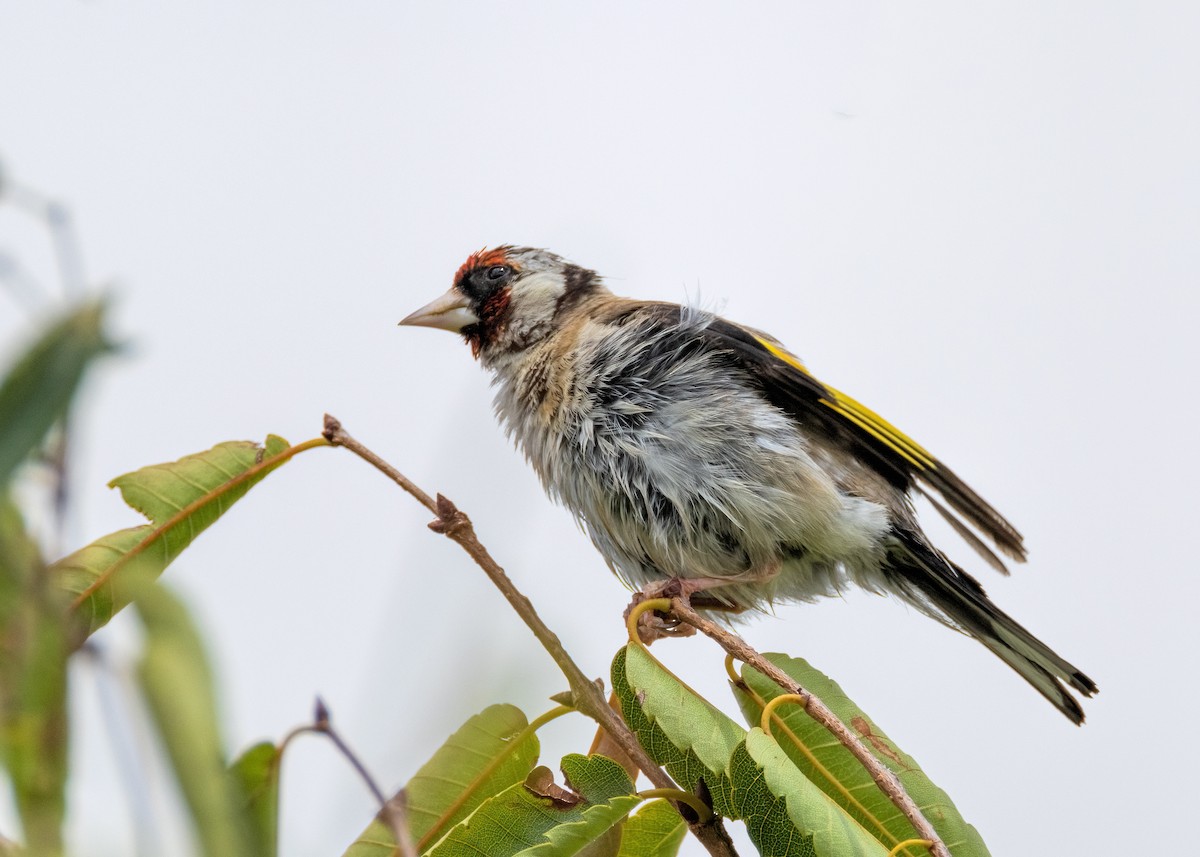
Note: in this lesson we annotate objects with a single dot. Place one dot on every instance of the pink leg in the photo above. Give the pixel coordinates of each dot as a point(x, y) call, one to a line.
point(653, 625)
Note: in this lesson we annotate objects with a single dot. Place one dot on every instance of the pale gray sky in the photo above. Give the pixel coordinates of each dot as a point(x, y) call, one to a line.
point(981, 220)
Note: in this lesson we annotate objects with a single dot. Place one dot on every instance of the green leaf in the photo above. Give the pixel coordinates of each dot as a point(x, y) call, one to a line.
point(747, 776)
point(691, 722)
point(33, 686)
point(256, 782)
point(657, 830)
point(821, 758)
point(181, 499)
point(38, 389)
point(178, 687)
point(492, 751)
point(535, 819)
point(682, 732)
point(376, 841)
point(767, 786)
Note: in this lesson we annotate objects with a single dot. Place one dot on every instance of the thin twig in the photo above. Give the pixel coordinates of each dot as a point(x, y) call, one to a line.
point(887, 781)
point(587, 696)
point(116, 702)
point(59, 461)
point(394, 812)
point(58, 222)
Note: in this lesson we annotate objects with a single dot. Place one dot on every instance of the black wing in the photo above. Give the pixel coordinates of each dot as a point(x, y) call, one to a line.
point(789, 386)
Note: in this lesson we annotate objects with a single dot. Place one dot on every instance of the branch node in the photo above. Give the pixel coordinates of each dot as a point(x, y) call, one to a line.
point(449, 520)
point(589, 697)
point(332, 430)
point(321, 718)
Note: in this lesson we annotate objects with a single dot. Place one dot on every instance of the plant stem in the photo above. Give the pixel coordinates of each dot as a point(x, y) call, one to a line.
point(588, 697)
point(887, 781)
point(393, 812)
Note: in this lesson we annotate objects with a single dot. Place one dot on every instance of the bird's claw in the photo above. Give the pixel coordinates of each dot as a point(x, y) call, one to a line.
point(654, 624)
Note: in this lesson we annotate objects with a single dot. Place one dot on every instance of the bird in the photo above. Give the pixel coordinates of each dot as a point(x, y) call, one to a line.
point(700, 451)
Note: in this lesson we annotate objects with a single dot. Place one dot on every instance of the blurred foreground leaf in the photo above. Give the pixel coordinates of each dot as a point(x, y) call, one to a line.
point(256, 782)
point(181, 499)
point(178, 687)
point(33, 685)
point(39, 387)
point(829, 765)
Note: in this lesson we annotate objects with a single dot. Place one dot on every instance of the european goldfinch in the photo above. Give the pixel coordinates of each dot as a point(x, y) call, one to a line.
point(696, 449)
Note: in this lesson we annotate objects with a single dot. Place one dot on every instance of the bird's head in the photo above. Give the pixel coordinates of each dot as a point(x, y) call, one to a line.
point(507, 298)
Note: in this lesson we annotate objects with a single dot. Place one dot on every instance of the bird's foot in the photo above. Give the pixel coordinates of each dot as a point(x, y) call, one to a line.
point(654, 625)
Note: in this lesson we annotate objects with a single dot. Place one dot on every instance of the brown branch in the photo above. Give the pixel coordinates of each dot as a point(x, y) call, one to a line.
point(887, 781)
point(586, 695)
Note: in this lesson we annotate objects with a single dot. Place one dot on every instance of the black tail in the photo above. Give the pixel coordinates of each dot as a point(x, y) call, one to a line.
point(943, 589)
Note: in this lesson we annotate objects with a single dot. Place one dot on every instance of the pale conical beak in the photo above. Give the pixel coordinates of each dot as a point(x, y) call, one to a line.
point(450, 312)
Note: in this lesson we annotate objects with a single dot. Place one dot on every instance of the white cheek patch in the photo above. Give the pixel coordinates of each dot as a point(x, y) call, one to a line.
point(539, 290)
point(534, 300)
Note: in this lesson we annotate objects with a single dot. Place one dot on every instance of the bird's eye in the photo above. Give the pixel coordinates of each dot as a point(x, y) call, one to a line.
point(497, 272)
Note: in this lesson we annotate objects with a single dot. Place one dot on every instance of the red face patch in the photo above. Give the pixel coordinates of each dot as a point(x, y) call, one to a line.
point(484, 258)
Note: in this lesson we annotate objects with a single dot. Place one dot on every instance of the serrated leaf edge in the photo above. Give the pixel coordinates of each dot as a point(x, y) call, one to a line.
point(778, 722)
point(428, 840)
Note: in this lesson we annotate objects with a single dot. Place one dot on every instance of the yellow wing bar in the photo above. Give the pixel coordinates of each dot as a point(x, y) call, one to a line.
point(862, 416)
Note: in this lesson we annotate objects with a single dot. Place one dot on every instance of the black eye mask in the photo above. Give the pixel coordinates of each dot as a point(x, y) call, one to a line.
point(484, 282)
